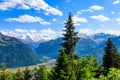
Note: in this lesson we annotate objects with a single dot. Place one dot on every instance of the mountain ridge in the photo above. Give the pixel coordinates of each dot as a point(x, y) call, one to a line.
point(15, 53)
point(88, 45)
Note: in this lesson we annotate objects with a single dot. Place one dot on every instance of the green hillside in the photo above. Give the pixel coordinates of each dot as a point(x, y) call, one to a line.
point(14, 53)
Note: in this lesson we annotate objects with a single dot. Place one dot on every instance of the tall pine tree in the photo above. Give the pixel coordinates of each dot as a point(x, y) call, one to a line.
point(26, 74)
point(4, 74)
point(70, 37)
point(111, 58)
point(41, 73)
point(62, 70)
point(66, 66)
point(70, 40)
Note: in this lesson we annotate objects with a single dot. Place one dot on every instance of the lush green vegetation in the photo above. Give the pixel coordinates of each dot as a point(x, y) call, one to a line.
point(70, 66)
point(88, 69)
point(15, 53)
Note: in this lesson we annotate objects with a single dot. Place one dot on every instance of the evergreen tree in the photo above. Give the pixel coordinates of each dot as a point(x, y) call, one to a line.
point(4, 74)
point(111, 58)
point(41, 73)
point(70, 37)
point(70, 40)
point(26, 74)
point(66, 65)
point(62, 70)
point(18, 75)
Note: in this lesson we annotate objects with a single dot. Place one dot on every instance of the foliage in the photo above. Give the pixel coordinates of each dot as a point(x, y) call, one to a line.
point(111, 58)
point(87, 71)
point(70, 37)
point(87, 68)
point(41, 73)
point(26, 74)
point(62, 70)
point(67, 67)
point(15, 53)
point(18, 75)
point(4, 74)
point(113, 74)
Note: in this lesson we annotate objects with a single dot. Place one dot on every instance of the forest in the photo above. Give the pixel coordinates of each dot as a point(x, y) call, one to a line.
point(70, 66)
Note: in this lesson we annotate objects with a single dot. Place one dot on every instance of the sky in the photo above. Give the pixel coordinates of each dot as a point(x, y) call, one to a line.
point(48, 16)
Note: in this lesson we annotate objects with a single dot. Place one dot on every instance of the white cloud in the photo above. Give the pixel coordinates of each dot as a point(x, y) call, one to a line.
point(92, 32)
point(33, 31)
point(112, 12)
point(43, 35)
point(78, 20)
point(47, 31)
point(100, 18)
point(28, 4)
point(55, 20)
point(49, 34)
point(86, 31)
point(115, 32)
point(77, 24)
point(117, 19)
point(89, 31)
point(21, 30)
point(29, 19)
point(92, 9)
point(116, 2)
point(96, 8)
point(118, 24)
point(78, 12)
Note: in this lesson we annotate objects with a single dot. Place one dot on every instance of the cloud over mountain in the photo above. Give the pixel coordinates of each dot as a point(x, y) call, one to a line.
point(34, 35)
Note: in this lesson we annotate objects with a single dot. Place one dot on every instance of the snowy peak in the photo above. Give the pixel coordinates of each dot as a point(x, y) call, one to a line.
point(28, 36)
point(81, 35)
point(32, 35)
point(101, 37)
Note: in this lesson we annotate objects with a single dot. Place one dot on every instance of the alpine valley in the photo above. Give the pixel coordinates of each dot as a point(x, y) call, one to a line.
point(29, 52)
point(93, 45)
point(15, 53)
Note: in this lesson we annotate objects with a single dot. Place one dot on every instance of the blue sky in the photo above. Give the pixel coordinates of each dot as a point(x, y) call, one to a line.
point(90, 16)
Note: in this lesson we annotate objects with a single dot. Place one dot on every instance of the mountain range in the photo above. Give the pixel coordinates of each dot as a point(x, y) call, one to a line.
point(17, 52)
point(93, 44)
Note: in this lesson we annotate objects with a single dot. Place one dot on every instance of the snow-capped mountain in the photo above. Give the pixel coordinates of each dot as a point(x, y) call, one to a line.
point(28, 36)
point(93, 44)
point(31, 35)
point(34, 37)
point(100, 37)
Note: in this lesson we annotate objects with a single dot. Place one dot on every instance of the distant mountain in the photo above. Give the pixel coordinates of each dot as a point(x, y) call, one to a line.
point(32, 37)
point(15, 53)
point(49, 48)
point(93, 44)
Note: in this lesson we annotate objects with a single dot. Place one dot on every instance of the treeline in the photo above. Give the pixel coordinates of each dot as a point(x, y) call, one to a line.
point(69, 66)
point(72, 67)
point(88, 69)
